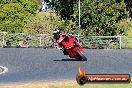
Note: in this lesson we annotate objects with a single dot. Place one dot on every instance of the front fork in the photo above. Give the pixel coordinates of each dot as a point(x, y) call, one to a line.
point(79, 47)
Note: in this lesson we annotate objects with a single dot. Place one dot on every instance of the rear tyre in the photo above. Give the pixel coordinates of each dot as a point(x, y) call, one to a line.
point(81, 56)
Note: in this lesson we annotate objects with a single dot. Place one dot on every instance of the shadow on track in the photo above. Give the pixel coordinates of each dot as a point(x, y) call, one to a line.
point(68, 60)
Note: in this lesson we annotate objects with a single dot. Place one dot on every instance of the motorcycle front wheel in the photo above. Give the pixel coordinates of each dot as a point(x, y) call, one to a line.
point(81, 56)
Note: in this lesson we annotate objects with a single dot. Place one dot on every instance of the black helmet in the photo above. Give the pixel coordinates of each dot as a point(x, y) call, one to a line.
point(56, 33)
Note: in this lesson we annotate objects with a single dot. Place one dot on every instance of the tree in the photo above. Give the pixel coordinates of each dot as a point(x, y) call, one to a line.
point(99, 17)
point(14, 14)
point(41, 24)
point(64, 8)
point(129, 6)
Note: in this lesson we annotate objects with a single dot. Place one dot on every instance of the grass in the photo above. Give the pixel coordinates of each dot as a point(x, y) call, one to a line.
point(98, 86)
point(63, 84)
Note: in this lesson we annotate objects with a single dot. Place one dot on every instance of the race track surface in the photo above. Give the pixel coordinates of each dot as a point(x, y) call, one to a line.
point(36, 64)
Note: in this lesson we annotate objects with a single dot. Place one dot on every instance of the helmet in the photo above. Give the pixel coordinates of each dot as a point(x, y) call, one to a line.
point(56, 33)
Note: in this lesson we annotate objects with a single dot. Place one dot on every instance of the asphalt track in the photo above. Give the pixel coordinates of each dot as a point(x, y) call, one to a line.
point(37, 64)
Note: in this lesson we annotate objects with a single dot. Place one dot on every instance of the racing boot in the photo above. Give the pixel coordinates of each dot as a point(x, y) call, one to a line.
point(65, 52)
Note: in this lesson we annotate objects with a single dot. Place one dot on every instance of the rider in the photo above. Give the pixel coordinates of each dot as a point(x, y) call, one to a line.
point(58, 39)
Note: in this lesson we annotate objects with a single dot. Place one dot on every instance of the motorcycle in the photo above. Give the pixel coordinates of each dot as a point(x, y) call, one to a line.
point(72, 47)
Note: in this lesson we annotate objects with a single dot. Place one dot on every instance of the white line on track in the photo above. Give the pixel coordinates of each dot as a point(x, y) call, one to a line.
point(4, 69)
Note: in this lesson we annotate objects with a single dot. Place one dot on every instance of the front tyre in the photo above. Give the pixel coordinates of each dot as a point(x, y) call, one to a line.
point(81, 56)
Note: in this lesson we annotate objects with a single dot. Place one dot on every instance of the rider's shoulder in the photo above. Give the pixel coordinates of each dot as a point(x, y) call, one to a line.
point(62, 35)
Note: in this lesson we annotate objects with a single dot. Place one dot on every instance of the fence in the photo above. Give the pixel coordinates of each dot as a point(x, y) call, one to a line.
point(106, 42)
point(45, 40)
point(25, 40)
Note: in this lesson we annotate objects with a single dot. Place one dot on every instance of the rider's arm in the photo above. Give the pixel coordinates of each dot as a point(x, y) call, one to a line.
point(63, 39)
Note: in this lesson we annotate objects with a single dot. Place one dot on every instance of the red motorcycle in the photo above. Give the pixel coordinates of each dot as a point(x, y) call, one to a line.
point(72, 47)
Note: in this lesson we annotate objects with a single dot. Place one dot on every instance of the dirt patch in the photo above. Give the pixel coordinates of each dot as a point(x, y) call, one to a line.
point(43, 84)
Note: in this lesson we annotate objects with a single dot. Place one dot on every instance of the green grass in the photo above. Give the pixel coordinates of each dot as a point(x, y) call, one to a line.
point(98, 86)
point(128, 42)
